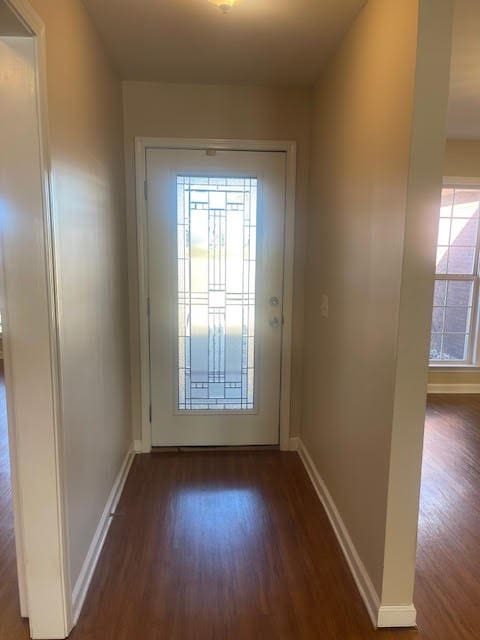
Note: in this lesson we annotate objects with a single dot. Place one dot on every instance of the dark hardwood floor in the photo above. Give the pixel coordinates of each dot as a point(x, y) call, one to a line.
point(448, 558)
point(235, 545)
point(221, 545)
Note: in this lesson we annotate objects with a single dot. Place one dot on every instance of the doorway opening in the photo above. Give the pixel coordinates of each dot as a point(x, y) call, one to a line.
point(17, 54)
point(11, 604)
point(448, 538)
point(32, 453)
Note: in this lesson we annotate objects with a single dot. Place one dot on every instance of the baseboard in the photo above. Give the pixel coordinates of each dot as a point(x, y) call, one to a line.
point(138, 446)
point(294, 443)
point(397, 616)
point(454, 388)
point(86, 573)
point(359, 573)
point(381, 616)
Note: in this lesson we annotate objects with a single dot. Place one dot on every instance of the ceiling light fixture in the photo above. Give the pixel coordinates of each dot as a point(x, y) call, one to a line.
point(224, 5)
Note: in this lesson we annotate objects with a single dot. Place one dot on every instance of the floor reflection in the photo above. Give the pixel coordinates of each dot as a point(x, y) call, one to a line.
point(216, 519)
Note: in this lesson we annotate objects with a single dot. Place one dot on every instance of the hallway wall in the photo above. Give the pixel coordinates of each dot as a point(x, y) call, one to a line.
point(85, 118)
point(219, 111)
point(375, 179)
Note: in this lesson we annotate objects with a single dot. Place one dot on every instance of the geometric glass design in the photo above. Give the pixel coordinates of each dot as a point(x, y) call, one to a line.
point(216, 259)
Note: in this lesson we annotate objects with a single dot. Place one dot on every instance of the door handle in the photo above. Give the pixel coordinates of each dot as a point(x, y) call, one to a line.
point(274, 322)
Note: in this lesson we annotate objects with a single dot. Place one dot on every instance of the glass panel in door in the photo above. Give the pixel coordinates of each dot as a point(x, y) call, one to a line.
point(216, 263)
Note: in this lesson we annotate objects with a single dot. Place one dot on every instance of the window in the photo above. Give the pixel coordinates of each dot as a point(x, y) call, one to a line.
point(216, 222)
point(454, 318)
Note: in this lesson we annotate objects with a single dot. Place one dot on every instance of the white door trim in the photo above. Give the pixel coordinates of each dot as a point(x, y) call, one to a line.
point(141, 145)
point(33, 545)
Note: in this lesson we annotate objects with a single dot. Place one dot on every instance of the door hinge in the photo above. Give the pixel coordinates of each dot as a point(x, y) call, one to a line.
point(150, 413)
point(145, 189)
point(148, 306)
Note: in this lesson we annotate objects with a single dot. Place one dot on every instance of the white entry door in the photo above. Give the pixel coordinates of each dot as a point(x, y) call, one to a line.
point(215, 255)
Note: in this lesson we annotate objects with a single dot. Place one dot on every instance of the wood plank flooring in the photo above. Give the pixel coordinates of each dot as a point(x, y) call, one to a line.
point(448, 558)
point(235, 545)
point(221, 545)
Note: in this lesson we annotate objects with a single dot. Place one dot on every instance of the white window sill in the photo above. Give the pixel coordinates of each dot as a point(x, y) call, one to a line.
point(452, 368)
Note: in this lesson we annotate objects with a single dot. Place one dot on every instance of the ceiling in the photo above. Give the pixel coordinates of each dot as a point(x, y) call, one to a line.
point(274, 42)
point(464, 103)
point(270, 42)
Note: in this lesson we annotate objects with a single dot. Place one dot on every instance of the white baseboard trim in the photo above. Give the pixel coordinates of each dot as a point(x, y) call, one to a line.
point(86, 573)
point(359, 573)
point(294, 443)
point(138, 446)
point(454, 388)
point(397, 616)
point(381, 616)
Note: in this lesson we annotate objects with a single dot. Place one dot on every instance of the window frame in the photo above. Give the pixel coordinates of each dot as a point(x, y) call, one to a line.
point(472, 362)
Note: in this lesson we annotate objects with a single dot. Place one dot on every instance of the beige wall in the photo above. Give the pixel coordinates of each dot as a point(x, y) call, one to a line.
point(370, 140)
point(462, 159)
point(85, 117)
point(214, 111)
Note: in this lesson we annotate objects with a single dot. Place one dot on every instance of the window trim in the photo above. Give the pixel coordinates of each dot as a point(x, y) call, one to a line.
point(473, 362)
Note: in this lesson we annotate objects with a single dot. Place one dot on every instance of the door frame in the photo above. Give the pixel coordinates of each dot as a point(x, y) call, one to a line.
point(142, 144)
point(42, 544)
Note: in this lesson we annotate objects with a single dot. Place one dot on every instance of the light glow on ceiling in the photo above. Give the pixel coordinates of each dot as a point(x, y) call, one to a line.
point(224, 5)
